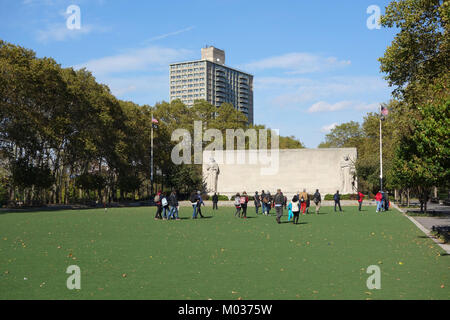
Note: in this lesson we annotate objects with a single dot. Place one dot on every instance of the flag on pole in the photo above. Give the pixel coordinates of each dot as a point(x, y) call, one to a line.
point(155, 123)
point(384, 112)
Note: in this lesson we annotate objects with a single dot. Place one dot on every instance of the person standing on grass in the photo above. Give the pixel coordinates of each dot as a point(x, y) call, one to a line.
point(278, 203)
point(269, 202)
point(200, 203)
point(295, 209)
point(194, 202)
point(383, 200)
point(317, 198)
point(237, 204)
point(308, 203)
point(157, 201)
point(215, 200)
point(257, 201)
point(378, 198)
point(290, 214)
point(263, 204)
point(337, 201)
point(360, 200)
point(173, 204)
point(386, 202)
point(244, 202)
point(284, 202)
point(303, 198)
point(165, 205)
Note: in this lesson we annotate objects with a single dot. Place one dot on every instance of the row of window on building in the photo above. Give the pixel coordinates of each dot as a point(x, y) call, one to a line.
point(192, 75)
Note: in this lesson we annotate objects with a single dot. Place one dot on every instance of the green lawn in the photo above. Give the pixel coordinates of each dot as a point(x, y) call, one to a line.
point(125, 254)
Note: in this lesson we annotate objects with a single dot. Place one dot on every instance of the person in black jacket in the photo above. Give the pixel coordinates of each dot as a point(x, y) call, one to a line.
point(317, 200)
point(215, 200)
point(337, 201)
point(173, 205)
point(257, 201)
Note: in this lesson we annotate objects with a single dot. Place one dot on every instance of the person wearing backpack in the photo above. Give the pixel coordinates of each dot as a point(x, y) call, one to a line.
point(243, 202)
point(200, 203)
point(337, 201)
point(317, 198)
point(237, 204)
point(257, 201)
point(295, 207)
point(164, 205)
point(157, 201)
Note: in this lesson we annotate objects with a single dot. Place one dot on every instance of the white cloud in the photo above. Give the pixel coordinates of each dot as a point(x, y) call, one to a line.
point(121, 86)
point(136, 60)
point(328, 128)
point(323, 106)
point(298, 63)
point(297, 92)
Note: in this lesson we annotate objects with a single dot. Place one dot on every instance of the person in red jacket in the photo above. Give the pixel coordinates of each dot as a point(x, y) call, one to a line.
point(360, 199)
point(378, 199)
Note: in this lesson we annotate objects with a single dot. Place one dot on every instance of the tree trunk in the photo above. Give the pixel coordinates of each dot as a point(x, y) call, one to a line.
point(407, 197)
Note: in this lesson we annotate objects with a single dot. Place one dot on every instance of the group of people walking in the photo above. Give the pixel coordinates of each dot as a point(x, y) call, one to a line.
point(382, 200)
point(168, 206)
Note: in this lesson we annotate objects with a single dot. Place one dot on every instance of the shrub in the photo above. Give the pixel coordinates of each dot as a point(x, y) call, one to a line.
point(222, 197)
point(330, 197)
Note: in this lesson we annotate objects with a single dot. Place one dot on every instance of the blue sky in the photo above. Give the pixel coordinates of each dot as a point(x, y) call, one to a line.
point(315, 62)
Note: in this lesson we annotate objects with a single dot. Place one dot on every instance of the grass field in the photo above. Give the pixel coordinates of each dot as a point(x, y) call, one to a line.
point(125, 254)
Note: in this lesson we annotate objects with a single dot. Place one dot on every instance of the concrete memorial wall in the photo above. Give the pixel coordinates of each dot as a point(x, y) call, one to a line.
point(291, 170)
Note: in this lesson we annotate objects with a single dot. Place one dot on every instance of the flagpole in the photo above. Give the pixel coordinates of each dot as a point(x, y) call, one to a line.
point(151, 159)
point(381, 156)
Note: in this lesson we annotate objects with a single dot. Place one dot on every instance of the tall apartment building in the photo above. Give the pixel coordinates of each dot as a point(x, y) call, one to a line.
point(209, 79)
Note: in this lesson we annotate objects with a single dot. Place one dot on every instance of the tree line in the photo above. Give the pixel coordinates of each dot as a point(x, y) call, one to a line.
point(65, 138)
point(416, 133)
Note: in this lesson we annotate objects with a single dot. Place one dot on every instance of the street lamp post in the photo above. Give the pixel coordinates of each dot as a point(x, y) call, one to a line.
point(381, 155)
point(151, 159)
point(383, 114)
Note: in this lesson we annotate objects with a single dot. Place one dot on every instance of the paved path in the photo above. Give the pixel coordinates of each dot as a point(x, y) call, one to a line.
point(426, 224)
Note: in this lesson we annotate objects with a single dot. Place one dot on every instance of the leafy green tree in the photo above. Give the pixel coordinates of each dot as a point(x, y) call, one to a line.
point(420, 52)
point(345, 135)
point(422, 160)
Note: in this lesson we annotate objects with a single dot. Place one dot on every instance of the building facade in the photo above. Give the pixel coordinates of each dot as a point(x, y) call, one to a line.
point(209, 79)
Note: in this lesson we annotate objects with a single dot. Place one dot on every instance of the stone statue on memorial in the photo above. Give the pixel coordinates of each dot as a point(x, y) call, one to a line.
point(347, 175)
point(212, 175)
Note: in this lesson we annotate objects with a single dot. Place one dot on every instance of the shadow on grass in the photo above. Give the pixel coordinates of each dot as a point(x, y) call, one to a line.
point(290, 222)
